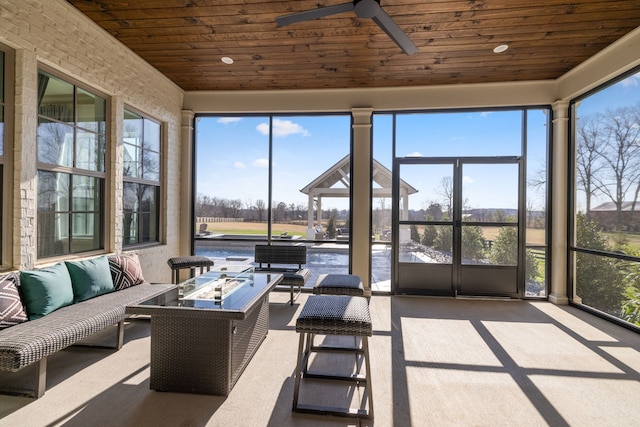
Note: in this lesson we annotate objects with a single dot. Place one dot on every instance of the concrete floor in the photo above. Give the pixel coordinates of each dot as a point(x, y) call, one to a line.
point(435, 362)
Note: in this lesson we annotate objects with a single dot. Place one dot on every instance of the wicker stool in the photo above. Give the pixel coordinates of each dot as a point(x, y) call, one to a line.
point(191, 262)
point(334, 315)
point(339, 284)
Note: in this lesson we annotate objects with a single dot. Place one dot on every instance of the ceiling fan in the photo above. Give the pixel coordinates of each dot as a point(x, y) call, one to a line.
point(364, 9)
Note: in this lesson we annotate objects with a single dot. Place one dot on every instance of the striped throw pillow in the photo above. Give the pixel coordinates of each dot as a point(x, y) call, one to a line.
point(11, 309)
point(125, 270)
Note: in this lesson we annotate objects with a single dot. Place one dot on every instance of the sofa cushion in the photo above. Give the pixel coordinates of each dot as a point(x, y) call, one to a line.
point(125, 270)
point(90, 278)
point(45, 290)
point(11, 309)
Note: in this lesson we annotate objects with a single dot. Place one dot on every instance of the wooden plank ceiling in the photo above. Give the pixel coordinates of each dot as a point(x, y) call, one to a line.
point(186, 39)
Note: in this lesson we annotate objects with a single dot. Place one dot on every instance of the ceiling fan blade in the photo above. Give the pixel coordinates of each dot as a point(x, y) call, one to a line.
point(313, 14)
point(385, 22)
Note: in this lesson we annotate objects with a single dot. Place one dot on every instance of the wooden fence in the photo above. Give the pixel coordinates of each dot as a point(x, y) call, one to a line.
point(200, 219)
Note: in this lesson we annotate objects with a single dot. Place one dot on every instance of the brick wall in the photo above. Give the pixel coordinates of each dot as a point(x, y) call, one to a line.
point(53, 33)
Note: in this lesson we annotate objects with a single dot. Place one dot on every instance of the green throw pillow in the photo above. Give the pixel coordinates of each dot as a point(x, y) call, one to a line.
point(90, 278)
point(45, 290)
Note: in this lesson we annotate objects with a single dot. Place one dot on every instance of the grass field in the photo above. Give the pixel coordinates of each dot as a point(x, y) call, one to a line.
point(255, 228)
point(534, 236)
point(616, 239)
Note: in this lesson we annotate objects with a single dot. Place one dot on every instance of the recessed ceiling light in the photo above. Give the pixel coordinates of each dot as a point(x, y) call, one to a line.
point(227, 60)
point(501, 48)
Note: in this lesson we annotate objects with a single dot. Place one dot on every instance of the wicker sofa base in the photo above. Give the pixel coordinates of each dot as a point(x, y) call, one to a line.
point(24, 348)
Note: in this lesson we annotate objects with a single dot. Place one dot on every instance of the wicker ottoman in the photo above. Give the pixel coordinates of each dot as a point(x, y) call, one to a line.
point(191, 262)
point(339, 284)
point(334, 315)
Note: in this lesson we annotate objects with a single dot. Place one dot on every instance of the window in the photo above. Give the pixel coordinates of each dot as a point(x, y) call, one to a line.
point(606, 207)
point(285, 179)
point(381, 203)
point(71, 151)
point(538, 125)
point(141, 174)
point(434, 140)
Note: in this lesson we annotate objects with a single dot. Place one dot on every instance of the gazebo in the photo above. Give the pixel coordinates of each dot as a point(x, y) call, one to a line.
point(336, 182)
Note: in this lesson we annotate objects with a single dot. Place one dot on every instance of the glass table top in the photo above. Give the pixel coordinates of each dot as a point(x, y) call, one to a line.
point(227, 287)
point(233, 289)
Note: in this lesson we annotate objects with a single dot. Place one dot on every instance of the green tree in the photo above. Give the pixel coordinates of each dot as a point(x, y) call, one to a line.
point(434, 212)
point(532, 270)
point(415, 235)
point(498, 215)
point(631, 305)
point(598, 281)
point(472, 243)
point(331, 227)
point(505, 248)
point(631, 294)
point(505, 252)
point(444, 239)
point(429, 235)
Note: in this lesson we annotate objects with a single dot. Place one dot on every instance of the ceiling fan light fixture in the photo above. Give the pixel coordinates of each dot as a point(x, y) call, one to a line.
point(500, 48)
point(369, 9)
point(366, 8)
point(226, 60)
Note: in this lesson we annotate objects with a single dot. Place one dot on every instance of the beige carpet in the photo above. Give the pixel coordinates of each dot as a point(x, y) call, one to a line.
point(436, 362)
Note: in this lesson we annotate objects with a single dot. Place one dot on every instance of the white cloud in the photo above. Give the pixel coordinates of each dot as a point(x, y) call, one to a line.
point(227, 120)
point(263, 128)
point(261, 163)
point(239, 165)
point(485, 113)
point(282, 128)
point(414, 154)
point(287, 127)
point(467, 180)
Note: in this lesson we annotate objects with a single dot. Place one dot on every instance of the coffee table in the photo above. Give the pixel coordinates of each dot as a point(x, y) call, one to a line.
point(205, 331)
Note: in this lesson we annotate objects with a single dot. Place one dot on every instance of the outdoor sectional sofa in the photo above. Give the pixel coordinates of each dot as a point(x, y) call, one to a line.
point(44, 311)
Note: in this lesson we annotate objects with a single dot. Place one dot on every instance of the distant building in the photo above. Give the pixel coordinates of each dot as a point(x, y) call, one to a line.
point(606, 215)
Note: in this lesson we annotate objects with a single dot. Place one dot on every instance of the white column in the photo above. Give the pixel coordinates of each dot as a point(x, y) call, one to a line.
point(360, 228)
point(559, 197)
point(311, 232)
point(186, 185)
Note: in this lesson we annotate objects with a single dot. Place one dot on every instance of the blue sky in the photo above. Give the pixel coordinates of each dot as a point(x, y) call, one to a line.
point(232, 158)
point(624, 93)
point(471, 134)
point(232, 152)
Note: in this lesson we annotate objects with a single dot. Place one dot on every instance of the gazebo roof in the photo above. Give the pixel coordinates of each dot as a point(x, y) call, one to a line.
point(335, 181)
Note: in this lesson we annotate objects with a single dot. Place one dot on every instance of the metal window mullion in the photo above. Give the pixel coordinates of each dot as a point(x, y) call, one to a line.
point(142, 148)
point(605, 254)
point(456, 244)
point(70, 214)
point(270, 181)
